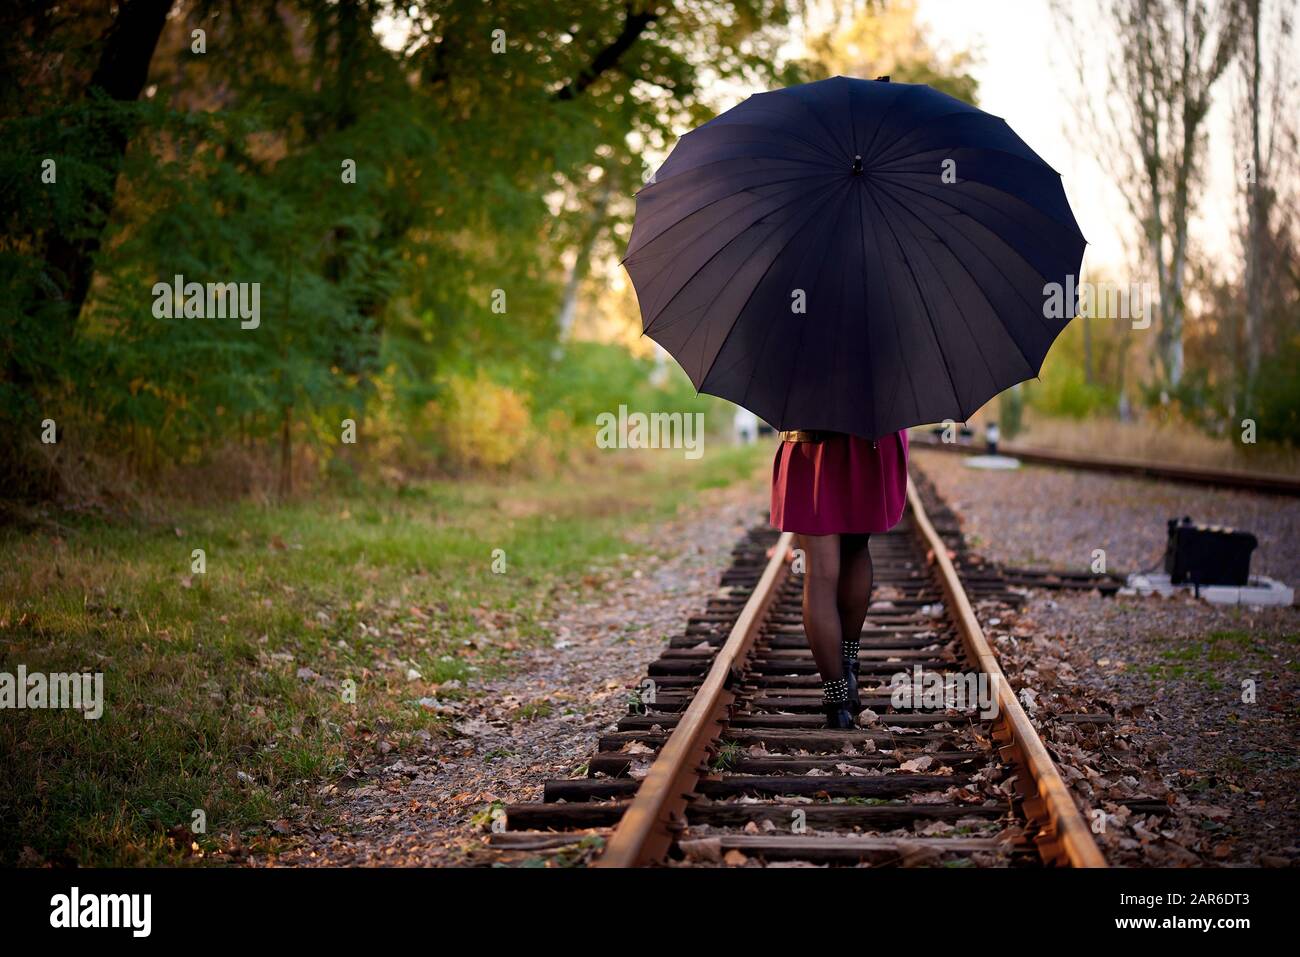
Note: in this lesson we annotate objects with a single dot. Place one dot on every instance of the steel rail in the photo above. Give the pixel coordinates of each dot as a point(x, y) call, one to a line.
point(1271, 483)
point(656, 814)
point(1063, 837)
point(650, 823)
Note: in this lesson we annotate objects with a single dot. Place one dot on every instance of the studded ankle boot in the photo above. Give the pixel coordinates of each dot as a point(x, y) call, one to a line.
point(850, 653)
point(835, 703)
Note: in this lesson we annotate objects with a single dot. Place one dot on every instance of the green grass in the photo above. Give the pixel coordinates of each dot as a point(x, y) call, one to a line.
point(533, 711)
point(225, 690)
point(1193, 658)
point(729, 753)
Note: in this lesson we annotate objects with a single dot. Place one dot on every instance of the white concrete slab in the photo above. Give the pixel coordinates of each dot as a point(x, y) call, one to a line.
point(995, 462)
point(1260, 591)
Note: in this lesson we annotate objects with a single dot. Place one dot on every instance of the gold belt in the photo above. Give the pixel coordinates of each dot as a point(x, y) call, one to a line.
point(812, 435)
point(807, 435)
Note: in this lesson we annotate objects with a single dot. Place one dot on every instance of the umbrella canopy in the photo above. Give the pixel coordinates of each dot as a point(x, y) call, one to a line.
point(855, 256)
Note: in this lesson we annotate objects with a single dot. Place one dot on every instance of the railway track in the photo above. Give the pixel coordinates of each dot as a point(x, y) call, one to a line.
point(723, 756)
point(1010, 583)
point(1274, 484)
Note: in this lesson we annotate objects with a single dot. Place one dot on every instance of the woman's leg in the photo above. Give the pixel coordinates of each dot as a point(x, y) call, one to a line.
point(853, 598)
point(821, 619)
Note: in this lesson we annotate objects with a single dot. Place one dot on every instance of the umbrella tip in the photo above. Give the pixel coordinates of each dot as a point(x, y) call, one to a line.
point(882, 79)
point(857, 162)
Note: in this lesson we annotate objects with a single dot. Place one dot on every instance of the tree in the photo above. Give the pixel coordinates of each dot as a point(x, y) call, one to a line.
point(387, 173)
point(1266, 134)
point(1167, 57)
point(125, 51)
point(886, 39)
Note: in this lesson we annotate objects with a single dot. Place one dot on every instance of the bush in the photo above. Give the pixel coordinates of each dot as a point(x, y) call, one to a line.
point(1011, 411)
point(591, 377)
point(1277, 414)
point(1063, 392)
point(482, 424)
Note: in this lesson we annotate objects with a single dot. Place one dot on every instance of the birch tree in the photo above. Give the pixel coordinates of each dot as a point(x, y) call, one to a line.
point(1266, 141)
point(1148, 129)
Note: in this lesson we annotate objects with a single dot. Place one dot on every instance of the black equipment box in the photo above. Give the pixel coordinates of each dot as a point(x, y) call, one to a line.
point(1207, 554)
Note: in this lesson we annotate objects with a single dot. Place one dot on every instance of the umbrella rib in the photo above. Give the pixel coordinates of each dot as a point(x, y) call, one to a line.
point(785, 156)
point(774, 129)
point(929, 121)
point(820, 122)
point(712, 202)
point(962, 213)
point(753, 370)
point(952, 383)
point(725, 159)
point(966, 215)
point(853, 126)
point(893, 315)
point(867, 156)
point(803, 326)
point(957, 302)
point(884, 174)
point(966, 269)
point(842, 272)
point(848, 103)
point(658, 312)
point(745, 305)
point(1034, 161)
point(640, 252)
point(866, 303)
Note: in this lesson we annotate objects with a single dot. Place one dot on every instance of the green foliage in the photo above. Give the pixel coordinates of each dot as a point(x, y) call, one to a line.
point(1011, 411)
point(961, 84)
point(591, 378)
point(1195, 399)
point(1062, 388)
point(222, 690)
point(319, 264)
point(473, 167)
point(1278, 395)
point(890, 39)
point(1065, 393)
point(38, 355)
point(479, 416)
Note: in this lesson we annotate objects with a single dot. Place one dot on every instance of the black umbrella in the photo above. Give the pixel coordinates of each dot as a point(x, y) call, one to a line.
point(855, 256)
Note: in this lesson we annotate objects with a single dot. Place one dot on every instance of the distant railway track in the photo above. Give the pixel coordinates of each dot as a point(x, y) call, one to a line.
point(728, 754)
point(1011, 583)
point(1270, 483)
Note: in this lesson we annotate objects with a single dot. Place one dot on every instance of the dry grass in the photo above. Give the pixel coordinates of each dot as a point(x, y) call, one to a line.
point(1151, 441)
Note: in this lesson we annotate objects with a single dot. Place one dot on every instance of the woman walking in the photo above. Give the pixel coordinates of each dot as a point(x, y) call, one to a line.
point(834, 491)
point(864, 256)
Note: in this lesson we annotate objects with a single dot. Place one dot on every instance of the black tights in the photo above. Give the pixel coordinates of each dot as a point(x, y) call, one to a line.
point(836, 595)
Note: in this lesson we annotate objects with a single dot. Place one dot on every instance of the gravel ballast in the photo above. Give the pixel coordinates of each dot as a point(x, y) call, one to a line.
point(1207, 692)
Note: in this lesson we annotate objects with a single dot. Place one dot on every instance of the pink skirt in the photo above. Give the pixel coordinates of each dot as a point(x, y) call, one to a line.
point(843, 485)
